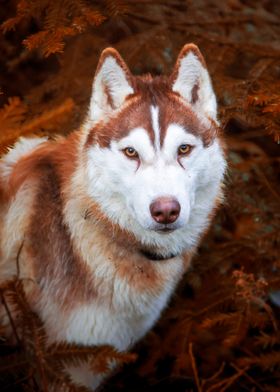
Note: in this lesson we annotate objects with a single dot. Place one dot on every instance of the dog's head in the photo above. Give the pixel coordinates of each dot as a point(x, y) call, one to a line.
point(154, 158)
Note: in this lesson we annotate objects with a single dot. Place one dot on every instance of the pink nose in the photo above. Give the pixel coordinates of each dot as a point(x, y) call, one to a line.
point(165, 210)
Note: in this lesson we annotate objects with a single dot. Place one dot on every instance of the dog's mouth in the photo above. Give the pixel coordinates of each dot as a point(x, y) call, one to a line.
point(155, 256)
point(165, 230)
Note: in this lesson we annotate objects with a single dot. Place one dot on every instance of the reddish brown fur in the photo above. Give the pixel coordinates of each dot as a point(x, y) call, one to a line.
point(3, 194)
point(132, 116)
point(107, 227)
point(115, 54)
point(195, 94)
point(186, 49)
point(172, 109)
point(52, 166)
point(177, 113)
point(48, 241)
point(137, 270)
point(149, 91)
point(109, 97)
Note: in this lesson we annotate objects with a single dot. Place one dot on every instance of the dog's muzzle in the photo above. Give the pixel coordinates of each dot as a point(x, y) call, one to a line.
point(165, 210)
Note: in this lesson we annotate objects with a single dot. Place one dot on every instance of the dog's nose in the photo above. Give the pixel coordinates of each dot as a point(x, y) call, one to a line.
point(165, 210)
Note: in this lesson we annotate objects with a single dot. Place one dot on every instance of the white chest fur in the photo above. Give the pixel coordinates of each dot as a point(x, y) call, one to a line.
point(101, 324)
point(119, 319)
point(126, 304)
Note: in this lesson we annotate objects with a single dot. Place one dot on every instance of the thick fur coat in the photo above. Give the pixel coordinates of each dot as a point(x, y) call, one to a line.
point(101, 244)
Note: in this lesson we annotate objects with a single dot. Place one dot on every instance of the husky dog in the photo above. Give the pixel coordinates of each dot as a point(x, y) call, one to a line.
point(107, 219)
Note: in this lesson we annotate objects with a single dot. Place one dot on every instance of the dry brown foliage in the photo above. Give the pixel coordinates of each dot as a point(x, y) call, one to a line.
point(221, 331)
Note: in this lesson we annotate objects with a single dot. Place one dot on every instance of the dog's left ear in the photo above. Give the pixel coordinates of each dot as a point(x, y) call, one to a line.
point(111, 85)
point(191, 80)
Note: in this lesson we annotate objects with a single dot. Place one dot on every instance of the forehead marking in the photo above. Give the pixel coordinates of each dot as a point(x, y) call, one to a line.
point(155, 126)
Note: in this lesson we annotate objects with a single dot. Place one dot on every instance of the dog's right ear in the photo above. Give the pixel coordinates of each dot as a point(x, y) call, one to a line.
point(111, 85)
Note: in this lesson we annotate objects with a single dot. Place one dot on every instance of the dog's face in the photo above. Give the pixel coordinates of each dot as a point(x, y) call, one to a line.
point(154, 160)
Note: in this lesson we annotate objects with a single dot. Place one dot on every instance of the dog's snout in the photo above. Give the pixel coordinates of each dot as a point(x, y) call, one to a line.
point(165, 210)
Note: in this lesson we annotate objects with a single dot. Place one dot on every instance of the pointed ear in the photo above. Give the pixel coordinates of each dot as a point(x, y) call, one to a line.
point(111, 85)
point(191, 80)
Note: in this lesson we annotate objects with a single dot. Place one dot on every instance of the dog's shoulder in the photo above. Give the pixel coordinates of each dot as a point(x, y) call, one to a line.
point(30, 158)
point(19, 163)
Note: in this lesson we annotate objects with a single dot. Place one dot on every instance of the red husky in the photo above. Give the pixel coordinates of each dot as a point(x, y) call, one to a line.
point(110, 216)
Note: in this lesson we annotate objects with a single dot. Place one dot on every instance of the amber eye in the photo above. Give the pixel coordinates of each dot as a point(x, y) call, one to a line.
point(185, 149)
point(130, 152)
